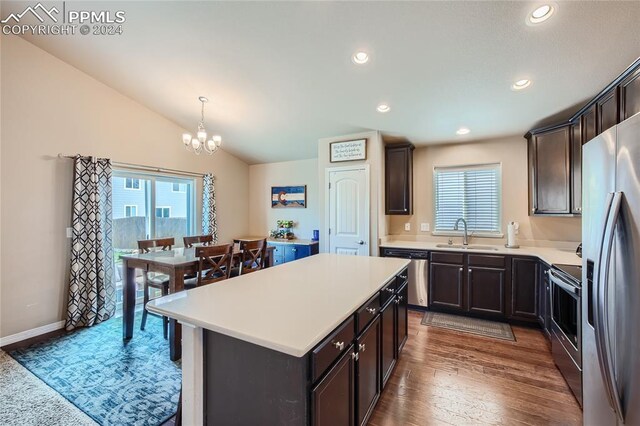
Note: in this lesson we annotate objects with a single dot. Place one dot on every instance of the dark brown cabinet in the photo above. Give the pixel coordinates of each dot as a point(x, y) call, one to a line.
point(486, 290)
point(607, 110)
point(333, 399)
point(387, 340)
point(399, 179)
point(549, 172)
point(630, 95)
point(402, 326)
point(446, 284)
point(368, 371)
point(576, 167)
point(524, 285)
point(589, 125)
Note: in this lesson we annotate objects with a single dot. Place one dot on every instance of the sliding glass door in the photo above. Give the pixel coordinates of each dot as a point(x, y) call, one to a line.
point(149, 206)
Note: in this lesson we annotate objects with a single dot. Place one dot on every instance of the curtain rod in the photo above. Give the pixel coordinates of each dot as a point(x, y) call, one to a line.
point(142, 167)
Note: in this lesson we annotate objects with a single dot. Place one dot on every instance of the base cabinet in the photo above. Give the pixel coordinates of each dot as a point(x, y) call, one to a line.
point(333, 399)
point(446, 286)
point(387, 340)
point(524, 289)
point(368, 371)
point(287, 252)
point(486, 290)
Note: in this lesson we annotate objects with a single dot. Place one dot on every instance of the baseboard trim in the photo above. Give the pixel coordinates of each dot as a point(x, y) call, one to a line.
point(18, 337)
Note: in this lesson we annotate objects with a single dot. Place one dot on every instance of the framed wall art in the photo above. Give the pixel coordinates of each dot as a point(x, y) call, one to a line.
point(348, 150)
point(289, 196)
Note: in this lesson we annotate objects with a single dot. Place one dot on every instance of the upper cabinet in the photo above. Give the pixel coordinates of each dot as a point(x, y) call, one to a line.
point(550, 177)
point(555, 152)
point(399, 179)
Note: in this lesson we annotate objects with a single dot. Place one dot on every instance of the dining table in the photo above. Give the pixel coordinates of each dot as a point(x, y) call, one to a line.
point(175, 263)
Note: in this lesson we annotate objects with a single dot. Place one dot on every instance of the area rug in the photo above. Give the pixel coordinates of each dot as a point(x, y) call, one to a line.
point(498, 330)
point(113, 382)
point(26, 400)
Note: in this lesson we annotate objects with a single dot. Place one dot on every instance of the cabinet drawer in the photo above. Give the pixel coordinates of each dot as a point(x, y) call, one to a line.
point(324, 355)
point(367, 312)
point(484, 260)
point(387, 292)
point(278, 253)
point(440, 257)
point(402, 278)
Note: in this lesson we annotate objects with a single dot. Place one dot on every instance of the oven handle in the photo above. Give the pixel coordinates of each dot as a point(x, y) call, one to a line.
point(573, 290)
point(603, 299)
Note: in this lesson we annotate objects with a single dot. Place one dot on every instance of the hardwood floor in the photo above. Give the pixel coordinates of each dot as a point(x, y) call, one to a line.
point(447, 377)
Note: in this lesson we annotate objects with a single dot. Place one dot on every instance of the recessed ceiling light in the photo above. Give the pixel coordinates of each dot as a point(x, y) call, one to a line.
point(383, 108)
point(360, 58)
point(521, 84)
point(462, 131)
point(541, 13)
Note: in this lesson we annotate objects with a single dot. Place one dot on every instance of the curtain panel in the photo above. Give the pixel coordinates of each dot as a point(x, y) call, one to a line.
point(91, 287)
point(209, 216)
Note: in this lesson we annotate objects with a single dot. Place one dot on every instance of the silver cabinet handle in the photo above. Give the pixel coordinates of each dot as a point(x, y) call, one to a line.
point(461, 269)
point(389, 290)
point(354, 356)
point(362, 347)
point(404, 277)
point(338, 345)
point(294, 250)
point(400, 298)
point(371, 310)
point(397, 301)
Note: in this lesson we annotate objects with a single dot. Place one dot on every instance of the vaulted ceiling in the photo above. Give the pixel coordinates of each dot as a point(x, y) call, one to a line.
point(279, 76)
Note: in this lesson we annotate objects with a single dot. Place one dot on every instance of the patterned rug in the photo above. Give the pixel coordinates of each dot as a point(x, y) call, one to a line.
point(498, 330)
point(113, 382)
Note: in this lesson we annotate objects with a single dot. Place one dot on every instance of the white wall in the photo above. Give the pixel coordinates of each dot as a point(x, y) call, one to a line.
point(511, 152)
point(263, 176)
point(50, 107)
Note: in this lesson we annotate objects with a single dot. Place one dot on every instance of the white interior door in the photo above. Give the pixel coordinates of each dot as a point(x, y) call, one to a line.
point(349, 211)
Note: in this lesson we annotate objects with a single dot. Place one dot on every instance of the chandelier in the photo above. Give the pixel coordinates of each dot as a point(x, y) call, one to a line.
point(200, 142)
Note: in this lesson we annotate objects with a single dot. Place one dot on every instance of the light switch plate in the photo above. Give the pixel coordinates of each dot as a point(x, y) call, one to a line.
point(407, 227)
point(424, 227)
point(69, 232)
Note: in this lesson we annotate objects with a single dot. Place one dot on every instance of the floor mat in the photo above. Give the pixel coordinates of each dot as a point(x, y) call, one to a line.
point(112, 381)
point(498, 330)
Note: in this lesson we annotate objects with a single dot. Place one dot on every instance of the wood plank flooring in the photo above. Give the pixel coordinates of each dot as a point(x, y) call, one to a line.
point(447, 377)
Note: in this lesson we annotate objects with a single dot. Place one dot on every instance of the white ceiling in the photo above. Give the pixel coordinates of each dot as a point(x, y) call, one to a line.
point(279, 75)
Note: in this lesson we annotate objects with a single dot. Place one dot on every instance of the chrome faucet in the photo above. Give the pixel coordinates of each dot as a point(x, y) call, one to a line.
point(465, 236)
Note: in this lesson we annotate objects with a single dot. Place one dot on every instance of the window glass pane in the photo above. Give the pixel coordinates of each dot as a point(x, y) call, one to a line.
point(470, 192)
point(174, 216)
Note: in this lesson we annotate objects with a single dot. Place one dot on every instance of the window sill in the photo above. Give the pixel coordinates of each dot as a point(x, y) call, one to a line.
point(470, 235)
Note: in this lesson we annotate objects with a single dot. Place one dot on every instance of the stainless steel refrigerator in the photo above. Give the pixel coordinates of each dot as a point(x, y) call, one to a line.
point(611, 276)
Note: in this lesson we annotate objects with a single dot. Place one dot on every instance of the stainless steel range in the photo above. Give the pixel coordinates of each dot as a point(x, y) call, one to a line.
point(566, 324)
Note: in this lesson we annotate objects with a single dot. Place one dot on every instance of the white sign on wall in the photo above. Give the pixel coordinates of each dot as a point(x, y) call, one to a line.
point(348, 150)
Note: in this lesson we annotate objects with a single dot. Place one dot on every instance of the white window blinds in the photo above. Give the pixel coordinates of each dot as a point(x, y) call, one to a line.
point(469, 192)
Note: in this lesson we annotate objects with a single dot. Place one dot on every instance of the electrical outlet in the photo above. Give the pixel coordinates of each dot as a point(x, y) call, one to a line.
point(424, 227)
point(407, 227)
point(69, 232)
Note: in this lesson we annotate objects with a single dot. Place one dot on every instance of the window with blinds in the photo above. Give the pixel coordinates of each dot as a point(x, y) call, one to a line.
point(473, 193)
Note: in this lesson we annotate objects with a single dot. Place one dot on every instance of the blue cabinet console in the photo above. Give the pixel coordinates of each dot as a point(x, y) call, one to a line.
point(287, 251)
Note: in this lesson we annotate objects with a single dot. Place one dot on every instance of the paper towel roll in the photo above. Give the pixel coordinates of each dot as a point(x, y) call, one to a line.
point(511, 235)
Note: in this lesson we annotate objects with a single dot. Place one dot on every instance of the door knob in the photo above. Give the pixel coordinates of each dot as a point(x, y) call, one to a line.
point(361, 242)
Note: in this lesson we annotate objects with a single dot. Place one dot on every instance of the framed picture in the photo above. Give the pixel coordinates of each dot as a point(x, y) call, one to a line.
point(348, 150)
point(286, 197)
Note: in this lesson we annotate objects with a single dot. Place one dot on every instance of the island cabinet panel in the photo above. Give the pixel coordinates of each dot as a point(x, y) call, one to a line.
point(402, 325)
point(368, 371)
point(399, 179)
point(446, 284)
point(388, 340)
point(630, 95)
point(486, 290)
point(524, 289)
point(549, 163)
point(333, 399)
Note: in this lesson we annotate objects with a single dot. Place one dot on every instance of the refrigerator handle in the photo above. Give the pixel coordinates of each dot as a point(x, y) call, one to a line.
point(603, 300)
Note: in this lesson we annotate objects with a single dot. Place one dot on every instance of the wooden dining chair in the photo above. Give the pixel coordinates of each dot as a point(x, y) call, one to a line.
point(155, 280)
point(214, 263)
point(197, 239)
point(253, 256)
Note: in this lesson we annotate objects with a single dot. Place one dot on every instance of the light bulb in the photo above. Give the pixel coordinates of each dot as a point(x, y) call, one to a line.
point(217, 139)
point(195, 143)
point(186, 138)
point(202, 136)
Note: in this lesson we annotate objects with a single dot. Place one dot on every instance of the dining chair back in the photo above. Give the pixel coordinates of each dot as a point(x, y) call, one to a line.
point(253, 255)
point(214, 263)
point(197, 239)
point(145, 246)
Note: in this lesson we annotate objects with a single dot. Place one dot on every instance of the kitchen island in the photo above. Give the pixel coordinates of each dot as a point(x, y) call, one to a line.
point(309, 342)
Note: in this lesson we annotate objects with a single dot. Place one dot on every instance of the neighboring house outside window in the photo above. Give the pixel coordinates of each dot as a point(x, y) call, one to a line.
point(178, 187)
point(163, 211)
point(130, 210)
point(471, 192)
point(132, 183)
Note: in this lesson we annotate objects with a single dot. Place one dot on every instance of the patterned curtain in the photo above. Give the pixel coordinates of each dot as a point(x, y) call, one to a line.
point(91, 287)
point(209, 216)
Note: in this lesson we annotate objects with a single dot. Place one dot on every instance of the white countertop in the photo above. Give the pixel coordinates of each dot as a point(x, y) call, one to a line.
point(289, 308)
point(547, 254)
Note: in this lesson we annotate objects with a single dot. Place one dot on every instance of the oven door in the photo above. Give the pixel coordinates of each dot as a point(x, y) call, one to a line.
point(566, 315)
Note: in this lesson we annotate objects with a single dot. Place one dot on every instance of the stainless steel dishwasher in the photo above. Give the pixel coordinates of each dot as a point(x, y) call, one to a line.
point(418, 273)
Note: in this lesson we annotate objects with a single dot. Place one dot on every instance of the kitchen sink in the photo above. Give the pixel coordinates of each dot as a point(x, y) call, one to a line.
point(469, 247)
